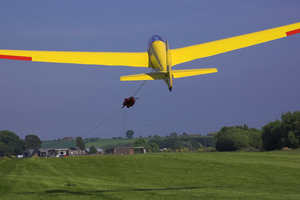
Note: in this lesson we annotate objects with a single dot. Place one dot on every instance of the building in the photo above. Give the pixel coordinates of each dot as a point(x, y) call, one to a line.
point(28, 153)
point(67, 138)
point(59, 152)
point(99, 150)
point(125, 150)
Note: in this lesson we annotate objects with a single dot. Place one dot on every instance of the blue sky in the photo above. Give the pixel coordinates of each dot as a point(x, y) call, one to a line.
point(253, 86)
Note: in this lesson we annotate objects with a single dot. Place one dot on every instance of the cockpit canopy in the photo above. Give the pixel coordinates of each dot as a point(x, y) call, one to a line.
point(153, 39)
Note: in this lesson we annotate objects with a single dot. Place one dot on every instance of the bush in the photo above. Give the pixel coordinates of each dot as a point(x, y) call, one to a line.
point(93, 150)
point(237, 138)
point(284, 133)
point(10, 144)
point(153, 147)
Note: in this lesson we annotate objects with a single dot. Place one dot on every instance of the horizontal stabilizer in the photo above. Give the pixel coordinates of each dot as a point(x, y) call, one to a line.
point(144, 77)
point(192, 72)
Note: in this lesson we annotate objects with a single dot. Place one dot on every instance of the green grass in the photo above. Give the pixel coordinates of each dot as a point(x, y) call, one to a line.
point(236, 175)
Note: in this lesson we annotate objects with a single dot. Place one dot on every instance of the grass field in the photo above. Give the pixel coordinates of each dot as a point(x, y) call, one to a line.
point(235, 175)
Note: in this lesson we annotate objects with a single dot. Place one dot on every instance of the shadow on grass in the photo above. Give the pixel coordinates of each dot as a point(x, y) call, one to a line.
point(95, 192)
point(125, 190)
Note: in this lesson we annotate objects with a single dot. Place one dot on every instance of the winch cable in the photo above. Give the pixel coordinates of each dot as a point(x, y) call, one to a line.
point(139, 88)
point(141, 85)
point(102, 122)
point(113, 113)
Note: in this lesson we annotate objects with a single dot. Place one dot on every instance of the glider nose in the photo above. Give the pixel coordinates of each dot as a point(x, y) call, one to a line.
point(152, 39)
point(156, 38)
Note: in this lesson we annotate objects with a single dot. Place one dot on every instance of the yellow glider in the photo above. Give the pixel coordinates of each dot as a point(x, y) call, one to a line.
point(159, 56)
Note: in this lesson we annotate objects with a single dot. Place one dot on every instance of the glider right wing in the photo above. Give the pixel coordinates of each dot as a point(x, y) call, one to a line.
point(193, 52)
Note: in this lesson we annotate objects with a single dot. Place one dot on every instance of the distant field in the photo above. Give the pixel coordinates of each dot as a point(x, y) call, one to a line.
point(235, 175)
point(103, 143)
point(51, 144)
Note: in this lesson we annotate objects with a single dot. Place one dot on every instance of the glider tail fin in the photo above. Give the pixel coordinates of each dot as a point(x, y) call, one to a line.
point(169, 77)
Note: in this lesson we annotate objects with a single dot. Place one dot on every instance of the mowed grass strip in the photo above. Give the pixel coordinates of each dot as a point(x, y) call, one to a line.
point(235, 175)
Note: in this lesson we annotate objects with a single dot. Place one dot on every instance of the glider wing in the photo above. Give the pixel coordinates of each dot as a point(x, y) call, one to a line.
point(87, 58)
point(189, 53)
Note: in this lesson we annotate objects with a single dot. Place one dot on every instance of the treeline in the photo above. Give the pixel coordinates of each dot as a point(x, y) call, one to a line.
point(173, 142)
point(88, 140)
point(12, 145)
point(273, 136)
point(284, 133)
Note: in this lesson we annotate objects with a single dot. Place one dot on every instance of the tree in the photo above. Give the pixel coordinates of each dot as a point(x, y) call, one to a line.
point(291, 128)
point(292, 140)
point(188, 144)
point(284, 133)
point(79, 143)
point(173, 135)
point(211, 134)
point(93, 150)
point(225, 140)
point(141, 142)
point(172, 142)
point(207, 141)
point(129, 134)
point(156, 139)
point(271, 135)
point(237, 138)
point(254, 139)
point(32, 142)
point(185, 134)
point(10, 144)
point(153, 147)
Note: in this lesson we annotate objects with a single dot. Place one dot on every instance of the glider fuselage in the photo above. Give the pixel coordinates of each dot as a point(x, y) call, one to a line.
point(160, 58)
point(157, 53)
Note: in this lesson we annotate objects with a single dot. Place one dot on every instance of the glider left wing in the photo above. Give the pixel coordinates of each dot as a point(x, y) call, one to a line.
point(87, 58)
point(193, 52)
